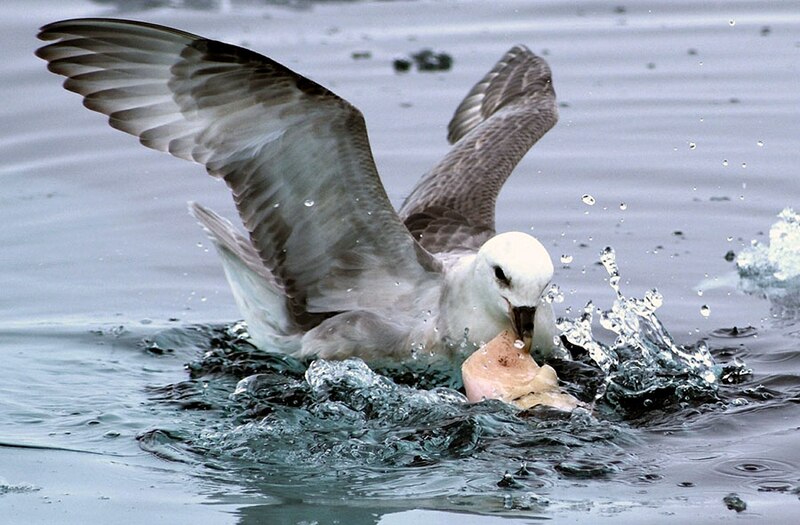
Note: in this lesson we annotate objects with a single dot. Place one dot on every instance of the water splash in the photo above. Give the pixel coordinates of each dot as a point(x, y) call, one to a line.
point(335, 429)
point(644, 365)
point(778, 264)
point(553, 294)
point(773, 271)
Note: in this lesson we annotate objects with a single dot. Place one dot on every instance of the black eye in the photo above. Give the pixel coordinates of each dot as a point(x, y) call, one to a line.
point(501, 276)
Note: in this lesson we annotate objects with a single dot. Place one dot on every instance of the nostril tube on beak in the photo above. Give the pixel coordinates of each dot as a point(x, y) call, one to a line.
point(522, 317)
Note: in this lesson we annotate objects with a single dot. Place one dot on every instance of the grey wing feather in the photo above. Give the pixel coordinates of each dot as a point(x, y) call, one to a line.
point(224, 234)
point(500, 119)
point(295, 155)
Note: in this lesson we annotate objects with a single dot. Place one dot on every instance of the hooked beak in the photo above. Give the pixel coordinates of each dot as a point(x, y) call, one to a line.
point(522, 318)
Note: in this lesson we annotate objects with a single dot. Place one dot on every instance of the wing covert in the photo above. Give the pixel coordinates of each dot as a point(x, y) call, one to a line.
point(495, 125)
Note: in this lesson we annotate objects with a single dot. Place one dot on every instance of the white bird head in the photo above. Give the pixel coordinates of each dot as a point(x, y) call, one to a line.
point(513, 270)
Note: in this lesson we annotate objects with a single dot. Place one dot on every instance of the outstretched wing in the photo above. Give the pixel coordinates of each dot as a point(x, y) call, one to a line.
point(295, 155)
point(510, 109)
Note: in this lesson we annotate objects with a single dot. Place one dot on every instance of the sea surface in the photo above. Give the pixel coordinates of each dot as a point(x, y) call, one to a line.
point(677, 145)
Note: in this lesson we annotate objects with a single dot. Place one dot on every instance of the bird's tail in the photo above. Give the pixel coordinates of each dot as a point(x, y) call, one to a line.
point(260, 299)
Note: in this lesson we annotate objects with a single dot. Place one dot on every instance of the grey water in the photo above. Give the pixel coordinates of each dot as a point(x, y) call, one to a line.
point(128, 395)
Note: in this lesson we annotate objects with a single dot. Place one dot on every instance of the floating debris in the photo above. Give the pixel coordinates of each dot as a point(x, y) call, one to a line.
point(425, 60)
point(401, 65)
point(734, 502)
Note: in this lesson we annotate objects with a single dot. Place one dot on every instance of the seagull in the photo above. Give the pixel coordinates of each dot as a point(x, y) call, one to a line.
point(328, 267)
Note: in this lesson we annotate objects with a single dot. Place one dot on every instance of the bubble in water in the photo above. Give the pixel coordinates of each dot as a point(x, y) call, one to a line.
point(692, 145)
point(725, 162)
point(760, 143)
point(732, 23)
point(588, 199)
point(566, 259)
point(308, 203)
point(744, 165)
point(705, 311)
point(623, 206)
point(519, 344)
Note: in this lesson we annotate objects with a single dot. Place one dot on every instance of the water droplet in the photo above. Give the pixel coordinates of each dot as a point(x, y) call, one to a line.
point(308, 203)
point(705, 311)
point(744, 165)
point(692, 145)
point(566, 259)
point(760, 143)
point(700, 293)
point(732, 23)
point(519, 344)
point(276, 205)
point(588, 200)
point(553, 294)
point(725, 162)
point(623, 206)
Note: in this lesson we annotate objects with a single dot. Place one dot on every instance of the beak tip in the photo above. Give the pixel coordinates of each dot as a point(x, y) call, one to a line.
point(523, 317)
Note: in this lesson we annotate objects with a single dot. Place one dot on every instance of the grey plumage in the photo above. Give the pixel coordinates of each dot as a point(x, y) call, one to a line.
point(506, 113)
point(324, 242)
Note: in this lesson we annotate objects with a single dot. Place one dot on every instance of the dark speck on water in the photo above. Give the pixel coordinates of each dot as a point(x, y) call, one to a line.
point(508, 482)
point(401, 65)
point(425, 60)
point(734, 502)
